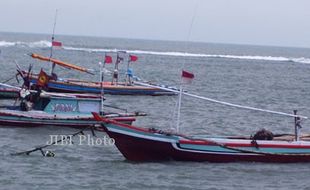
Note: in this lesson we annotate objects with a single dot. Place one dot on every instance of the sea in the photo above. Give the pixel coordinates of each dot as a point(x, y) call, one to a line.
point(272, 78)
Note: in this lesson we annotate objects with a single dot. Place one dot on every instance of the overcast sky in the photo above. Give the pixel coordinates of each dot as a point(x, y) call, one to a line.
point(260, 22)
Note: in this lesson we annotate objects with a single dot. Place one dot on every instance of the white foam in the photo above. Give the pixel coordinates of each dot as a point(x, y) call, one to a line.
point(40, 44)
point(6, 44)
point(45, 44)
point(182, 54)
point(37, 44)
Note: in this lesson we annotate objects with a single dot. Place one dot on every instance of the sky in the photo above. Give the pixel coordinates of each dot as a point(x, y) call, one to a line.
point(257, 22)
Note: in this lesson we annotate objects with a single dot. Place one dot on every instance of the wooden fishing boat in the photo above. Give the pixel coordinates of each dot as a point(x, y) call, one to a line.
point(70, 110)
point(142, 145)
point(56, 84)
point(151, 144)
point(80, 86)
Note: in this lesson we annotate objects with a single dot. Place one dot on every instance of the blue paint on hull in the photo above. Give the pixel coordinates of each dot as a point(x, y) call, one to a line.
point(115, 90)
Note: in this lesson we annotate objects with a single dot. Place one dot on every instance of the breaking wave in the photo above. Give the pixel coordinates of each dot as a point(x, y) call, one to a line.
point(179, 54)
point(38, 44)
point(46, 44)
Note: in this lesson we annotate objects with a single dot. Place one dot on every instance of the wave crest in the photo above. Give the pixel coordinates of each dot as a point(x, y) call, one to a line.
point(182, 54)
point(46, 44)
point(37, 44)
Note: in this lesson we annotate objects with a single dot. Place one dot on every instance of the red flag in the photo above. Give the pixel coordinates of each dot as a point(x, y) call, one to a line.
point(187, 77)
point(133, 58)
point(56, 44)
point(108, 59)
point(186, 74)
point(42, 79)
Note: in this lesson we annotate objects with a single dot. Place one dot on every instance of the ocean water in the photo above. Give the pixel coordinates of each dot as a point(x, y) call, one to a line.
point(275, 78)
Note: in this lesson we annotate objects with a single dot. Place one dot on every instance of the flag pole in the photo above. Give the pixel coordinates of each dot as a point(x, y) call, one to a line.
point(179, 107)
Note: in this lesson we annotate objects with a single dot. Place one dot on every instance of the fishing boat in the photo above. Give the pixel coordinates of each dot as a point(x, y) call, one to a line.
point(56, 84)
point(151, 144)
point(145, 145)
point(56, 109)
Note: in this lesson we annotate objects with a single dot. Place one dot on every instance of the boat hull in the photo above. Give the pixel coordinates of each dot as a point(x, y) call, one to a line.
point(30, 119)
point(72, 86)
point(8, 94)
point(142, 145)
point(144, 150)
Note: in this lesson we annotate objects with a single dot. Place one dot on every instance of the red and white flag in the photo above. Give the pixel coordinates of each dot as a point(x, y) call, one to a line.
point(56, 44)
point(107, 59)
point(187, 77)
point(133, 58)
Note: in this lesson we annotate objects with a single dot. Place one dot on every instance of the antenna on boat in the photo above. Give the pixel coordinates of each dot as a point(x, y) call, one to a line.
point(181, 85)
point(53, 37)
point(53, 34)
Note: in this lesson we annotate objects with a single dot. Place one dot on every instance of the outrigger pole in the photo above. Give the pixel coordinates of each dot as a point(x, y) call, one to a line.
point(224, 103)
